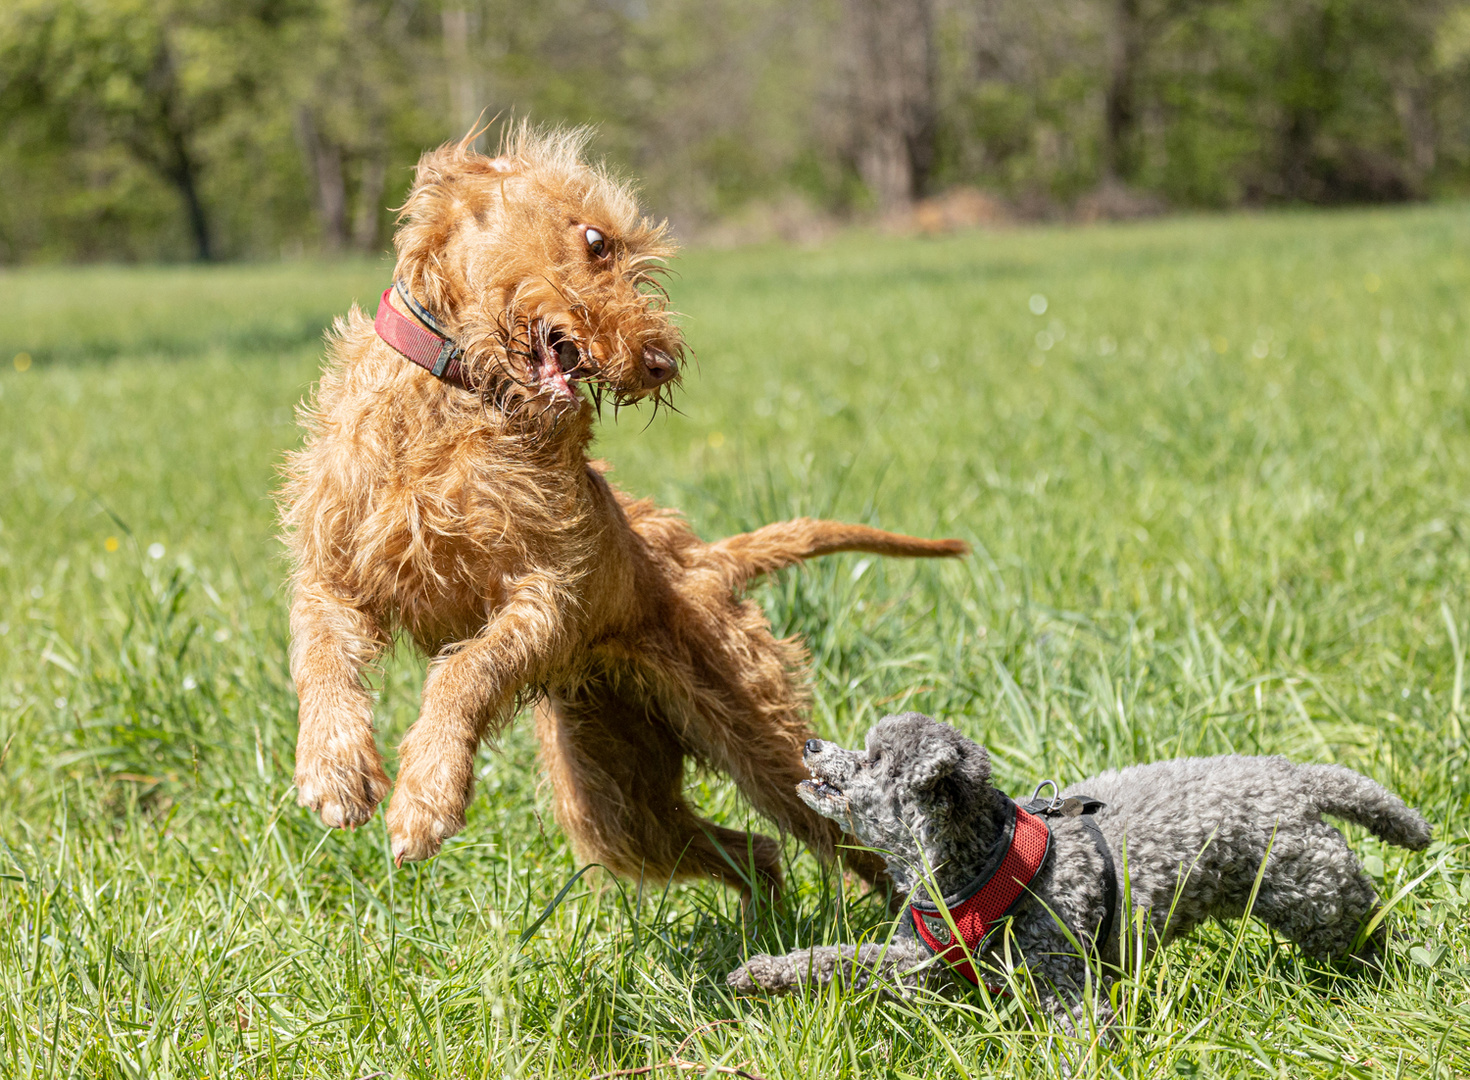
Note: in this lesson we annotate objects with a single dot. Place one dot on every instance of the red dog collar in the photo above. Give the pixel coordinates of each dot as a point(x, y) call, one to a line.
point(419, 339)
point(990, 899)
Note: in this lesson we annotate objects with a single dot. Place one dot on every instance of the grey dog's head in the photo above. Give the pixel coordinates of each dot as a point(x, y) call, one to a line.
point(920, 793)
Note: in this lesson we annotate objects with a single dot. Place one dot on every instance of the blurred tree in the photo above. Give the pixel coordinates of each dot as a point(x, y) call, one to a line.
point(461, 29)
point(1316, 100)
point(220, 128)
point(344, 89)
point(150, 77)
point(1137, 27)
point(1020, 96)
point(1451, 105)
point(892, 73)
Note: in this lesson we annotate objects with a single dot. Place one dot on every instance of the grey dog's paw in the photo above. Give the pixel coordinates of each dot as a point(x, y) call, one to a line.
point(757, 974)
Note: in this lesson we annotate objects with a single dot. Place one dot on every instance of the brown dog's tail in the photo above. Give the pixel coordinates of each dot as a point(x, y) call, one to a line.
point(787, 543)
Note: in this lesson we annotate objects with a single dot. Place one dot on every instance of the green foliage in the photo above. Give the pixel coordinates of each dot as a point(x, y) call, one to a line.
point(151, 79)
point(146, 131)
point(1216, 489)
point(1321, 101)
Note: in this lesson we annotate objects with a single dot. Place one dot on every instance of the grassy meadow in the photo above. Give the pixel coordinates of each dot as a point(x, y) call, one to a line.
point(1217, 477)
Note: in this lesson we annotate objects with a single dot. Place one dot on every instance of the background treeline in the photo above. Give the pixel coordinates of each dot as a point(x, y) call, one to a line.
point(224, 128)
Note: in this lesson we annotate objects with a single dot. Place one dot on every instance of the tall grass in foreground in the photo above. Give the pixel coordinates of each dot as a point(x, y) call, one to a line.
point(1216, 475)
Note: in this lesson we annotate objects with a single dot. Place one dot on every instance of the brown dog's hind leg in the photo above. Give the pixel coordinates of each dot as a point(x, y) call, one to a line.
point(617, 775)
point(743, 708)
point(762, 754)
point(339, 772)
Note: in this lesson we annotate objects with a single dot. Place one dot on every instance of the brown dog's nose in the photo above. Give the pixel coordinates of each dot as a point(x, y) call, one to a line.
point(661, 367)
point(814, 746)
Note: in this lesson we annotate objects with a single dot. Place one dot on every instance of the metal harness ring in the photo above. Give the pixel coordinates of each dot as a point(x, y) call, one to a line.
point(1055, 803)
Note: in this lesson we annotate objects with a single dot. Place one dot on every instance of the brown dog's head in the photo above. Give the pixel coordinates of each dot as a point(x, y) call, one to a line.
point(543, 270)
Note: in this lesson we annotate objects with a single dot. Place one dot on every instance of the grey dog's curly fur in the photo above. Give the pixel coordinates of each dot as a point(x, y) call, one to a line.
point(1192, 834)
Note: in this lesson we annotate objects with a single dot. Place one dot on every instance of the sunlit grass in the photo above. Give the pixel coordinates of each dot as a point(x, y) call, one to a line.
point(1217, 475)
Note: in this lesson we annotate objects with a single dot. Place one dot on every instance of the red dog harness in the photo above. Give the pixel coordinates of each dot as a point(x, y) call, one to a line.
point(991, 897)
point(421, 340)
point(989, 900)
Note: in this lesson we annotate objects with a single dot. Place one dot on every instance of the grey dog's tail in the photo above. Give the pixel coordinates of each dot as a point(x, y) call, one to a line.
point(1345, 794)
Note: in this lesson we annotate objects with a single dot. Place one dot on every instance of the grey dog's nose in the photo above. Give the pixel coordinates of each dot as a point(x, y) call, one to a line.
point(814, 746)
point(661, 367)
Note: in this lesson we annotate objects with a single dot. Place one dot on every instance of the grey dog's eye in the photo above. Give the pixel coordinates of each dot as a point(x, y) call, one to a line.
point(595, 242)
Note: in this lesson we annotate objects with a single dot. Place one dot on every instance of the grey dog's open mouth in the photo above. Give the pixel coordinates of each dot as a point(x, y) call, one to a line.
point(826, 799)
point(821, 789)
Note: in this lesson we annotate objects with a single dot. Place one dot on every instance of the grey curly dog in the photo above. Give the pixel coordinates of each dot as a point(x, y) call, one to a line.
point(1192, 834)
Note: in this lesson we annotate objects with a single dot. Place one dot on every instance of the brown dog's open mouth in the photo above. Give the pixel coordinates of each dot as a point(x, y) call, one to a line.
point(559, 363)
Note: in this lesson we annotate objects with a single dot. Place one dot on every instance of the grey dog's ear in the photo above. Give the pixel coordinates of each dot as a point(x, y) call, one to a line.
point(977, 764)
point(944, 755)
point(937, 758)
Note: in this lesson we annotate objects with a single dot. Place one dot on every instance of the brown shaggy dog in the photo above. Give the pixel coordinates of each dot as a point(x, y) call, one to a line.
point(470, 518)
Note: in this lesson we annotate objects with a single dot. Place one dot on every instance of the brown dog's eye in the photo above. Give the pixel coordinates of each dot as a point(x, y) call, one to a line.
point(595, 243)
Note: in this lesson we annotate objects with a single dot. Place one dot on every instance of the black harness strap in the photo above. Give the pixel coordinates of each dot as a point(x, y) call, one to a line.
point(1081, 806)
point(1110, 876)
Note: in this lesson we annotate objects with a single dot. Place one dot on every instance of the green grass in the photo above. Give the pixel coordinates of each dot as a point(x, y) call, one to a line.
point(1226, 510)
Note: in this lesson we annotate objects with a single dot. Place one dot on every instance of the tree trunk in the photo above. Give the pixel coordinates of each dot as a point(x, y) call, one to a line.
point(331, 195)
point(1417, 116)
point(324, 162)
point(367, 222)
point(464, 92)
point(891, 56)
point(1120, 127)
point(186, 179)
point(1309, 81)
point(174, 159)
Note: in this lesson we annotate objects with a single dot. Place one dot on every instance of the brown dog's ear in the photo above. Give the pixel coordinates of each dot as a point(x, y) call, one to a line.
point(436, 166)
point(444, 195)
point(445, 164)
point(428, 219)
point(427, 198)
point(438, 170)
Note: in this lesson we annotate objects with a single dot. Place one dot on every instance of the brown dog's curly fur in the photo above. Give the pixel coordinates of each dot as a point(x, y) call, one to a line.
point(473, 521)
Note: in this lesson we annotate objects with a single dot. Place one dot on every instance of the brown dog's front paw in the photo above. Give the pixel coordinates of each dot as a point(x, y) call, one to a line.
point(435, 782)
point(344, 790)
point(416, 828)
